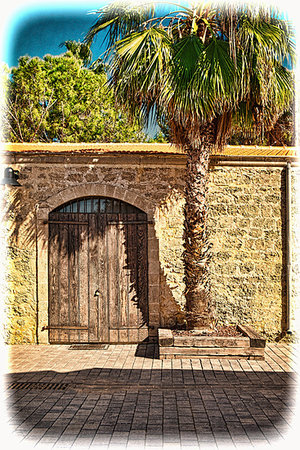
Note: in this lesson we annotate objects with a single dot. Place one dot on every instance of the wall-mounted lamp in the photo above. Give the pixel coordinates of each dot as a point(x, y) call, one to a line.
point(11, 177)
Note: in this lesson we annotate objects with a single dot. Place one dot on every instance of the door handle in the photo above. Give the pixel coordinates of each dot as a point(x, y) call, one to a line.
point(97, 293)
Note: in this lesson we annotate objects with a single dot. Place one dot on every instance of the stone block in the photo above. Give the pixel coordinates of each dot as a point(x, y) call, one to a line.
point(206, 341)
point(165, 337)
point(209, 352)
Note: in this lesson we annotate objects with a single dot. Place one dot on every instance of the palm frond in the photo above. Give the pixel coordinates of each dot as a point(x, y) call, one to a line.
point(199, 64)
point(139, 69)
point(186, 55)
point(118, 19)
point(212, 81)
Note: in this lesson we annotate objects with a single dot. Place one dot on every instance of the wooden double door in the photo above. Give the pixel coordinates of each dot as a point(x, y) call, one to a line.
point(98, 272)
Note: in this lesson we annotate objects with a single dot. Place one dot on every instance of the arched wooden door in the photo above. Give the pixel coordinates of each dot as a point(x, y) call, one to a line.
point(98, 274)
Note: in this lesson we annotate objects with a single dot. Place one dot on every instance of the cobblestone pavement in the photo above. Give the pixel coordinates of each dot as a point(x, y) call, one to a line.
point(123, 396)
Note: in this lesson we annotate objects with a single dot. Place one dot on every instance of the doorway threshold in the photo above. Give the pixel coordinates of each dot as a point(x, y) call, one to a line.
point(88, 347)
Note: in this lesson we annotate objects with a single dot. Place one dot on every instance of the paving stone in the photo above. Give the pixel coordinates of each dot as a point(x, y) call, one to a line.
point(142, 402)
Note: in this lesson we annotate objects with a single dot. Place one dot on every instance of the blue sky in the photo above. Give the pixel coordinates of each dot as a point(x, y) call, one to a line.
point(39, 29)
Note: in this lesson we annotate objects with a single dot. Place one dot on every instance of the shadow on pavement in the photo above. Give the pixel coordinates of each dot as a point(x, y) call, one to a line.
point(146, 349)
point(102, 406)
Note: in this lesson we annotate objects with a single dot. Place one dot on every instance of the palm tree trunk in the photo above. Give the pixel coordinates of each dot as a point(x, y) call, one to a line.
point(197, 248)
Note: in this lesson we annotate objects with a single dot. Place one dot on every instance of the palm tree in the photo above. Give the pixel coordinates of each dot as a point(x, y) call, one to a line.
point(202, 69)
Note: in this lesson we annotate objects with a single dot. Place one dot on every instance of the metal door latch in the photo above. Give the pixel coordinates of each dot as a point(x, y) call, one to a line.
point(97, 293)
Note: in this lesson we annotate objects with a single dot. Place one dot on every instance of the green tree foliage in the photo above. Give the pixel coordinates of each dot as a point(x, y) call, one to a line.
point(80, 50)
point(58, 99)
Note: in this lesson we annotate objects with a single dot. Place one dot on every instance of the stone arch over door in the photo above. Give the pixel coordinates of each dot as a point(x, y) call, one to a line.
point(42, 213)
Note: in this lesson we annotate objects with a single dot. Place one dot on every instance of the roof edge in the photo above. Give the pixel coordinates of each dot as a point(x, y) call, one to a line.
point(143, 148)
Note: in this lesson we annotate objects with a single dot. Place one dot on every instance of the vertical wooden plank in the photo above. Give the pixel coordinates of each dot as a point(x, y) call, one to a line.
point(123, 283)
point(113, 278)
point(102, 261)
point(83, 277)
point(93, 318)
point(53, 280)
point(73, 278)
point(63, 335)
point(132, 278)
point(142, 277)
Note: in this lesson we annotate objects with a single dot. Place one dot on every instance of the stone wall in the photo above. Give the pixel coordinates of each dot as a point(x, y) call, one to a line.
point(295, 245)
point(169, 220)
point(18, 230)
point(246, 211)
point(20, 327)
point(245, 220)
point(246, 223)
